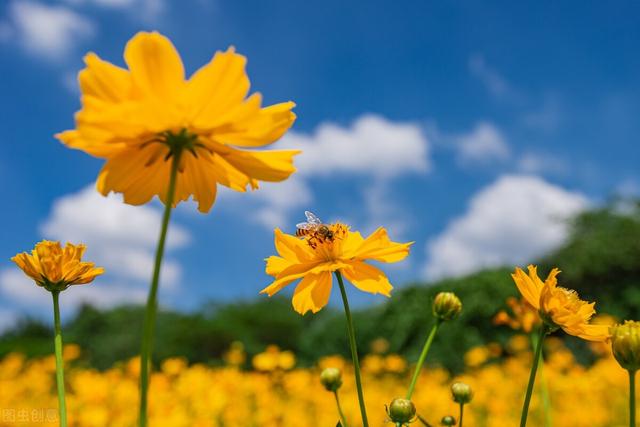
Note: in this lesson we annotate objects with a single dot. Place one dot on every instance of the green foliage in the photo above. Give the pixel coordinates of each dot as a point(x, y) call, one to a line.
point(601, 260)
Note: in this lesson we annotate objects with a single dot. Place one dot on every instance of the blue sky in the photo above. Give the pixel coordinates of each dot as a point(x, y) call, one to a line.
point(471, 128)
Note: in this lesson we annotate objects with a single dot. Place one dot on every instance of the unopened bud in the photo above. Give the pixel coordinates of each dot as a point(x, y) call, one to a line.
point(461, 393)
point(331, 379)
point(448, 420)
point(401, 411)
point(625, 343)
point(446, 306)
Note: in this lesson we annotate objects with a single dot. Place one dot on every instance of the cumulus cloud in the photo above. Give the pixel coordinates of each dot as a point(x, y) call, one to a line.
point(371, 147)
point(484, 144)
point(512, 221)
point(47, 31)
point(119, 237)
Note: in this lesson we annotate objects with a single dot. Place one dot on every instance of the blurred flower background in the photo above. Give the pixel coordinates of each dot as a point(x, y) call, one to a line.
point(490, 134)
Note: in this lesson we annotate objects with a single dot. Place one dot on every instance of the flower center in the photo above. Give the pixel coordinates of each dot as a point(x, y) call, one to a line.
point(326, 240)
point(177, 143)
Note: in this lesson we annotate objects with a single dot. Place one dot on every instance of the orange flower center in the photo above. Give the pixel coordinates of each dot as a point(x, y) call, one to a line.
point(327, 240)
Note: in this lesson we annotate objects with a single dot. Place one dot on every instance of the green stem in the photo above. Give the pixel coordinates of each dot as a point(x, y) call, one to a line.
point(632, 398)
point(152, 299)
point(62, 406)
point(461, 414)
point(423, 357)
point(532, 376)
point(343, 420)
point(544, 386)
point(354, 349)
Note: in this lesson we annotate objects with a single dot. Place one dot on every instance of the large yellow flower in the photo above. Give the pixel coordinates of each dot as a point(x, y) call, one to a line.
point(314, 258)
point(559, 307)
point(137, 119)
point(56, 268)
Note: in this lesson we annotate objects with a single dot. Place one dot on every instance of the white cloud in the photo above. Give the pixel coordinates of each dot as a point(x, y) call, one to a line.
point(49, 31)
point(495, 83)
point(119, 237)
point(485, 143)
point(372, 147)
point(512, 221)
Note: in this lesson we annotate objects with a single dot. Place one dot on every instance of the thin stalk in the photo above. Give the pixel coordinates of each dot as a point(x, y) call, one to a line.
point(461, 414)
point(354, 350)
point(632, 398)
point(343, 420)
point(544, 387)
point(423, 357)
point(532, 376)
point(152, 299)
point(62, 406)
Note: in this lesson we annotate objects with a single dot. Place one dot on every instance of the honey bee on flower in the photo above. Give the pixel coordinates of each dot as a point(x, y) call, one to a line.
point(314, 228)
point(338, 249)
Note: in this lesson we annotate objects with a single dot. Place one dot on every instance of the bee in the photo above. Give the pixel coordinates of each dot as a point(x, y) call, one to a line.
point(313, 226)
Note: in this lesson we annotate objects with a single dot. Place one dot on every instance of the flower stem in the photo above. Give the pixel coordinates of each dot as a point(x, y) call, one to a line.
point(354, 350)
point(632, 398)
point(343, 420)
point(423, 357)
point(152, 299)
point(461, 414)
point(544, 386)
point(62, 406)
point(532, 376)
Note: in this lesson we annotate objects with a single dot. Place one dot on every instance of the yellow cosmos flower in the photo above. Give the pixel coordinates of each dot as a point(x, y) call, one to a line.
point(559, 307)
point(138, 118)
point(56, 268)
point(313, 259)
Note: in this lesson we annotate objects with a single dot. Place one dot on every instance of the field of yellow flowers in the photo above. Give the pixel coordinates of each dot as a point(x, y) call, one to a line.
point(276, 393)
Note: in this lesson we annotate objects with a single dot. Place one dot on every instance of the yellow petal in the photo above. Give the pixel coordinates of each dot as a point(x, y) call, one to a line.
point(272, 166)
point(103, 80)
point(129, 174)
point(594, 332)
point(292, 248)
point(367, 278)
point(529, 289)
point(275, 265)
point(217, 88)
point(376, 247)
point(156, 68)
point(288, 275)
point(312, 293)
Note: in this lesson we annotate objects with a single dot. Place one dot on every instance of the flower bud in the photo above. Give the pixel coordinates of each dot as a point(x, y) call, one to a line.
point(401, 410)
point(461, 393)
point(331, 379)
point(446, 306)
point(625, 343)
point(448, 420)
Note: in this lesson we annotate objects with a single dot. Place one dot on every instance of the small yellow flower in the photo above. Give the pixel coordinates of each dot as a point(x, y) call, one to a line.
point(56, 268)
point(273, 359)
point(559, 307)
point(313, 259)
point(138, 118)
point(523, 316)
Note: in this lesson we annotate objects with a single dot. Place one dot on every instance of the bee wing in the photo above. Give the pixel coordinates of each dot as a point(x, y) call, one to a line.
point(312, 218)
point(305, 226)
